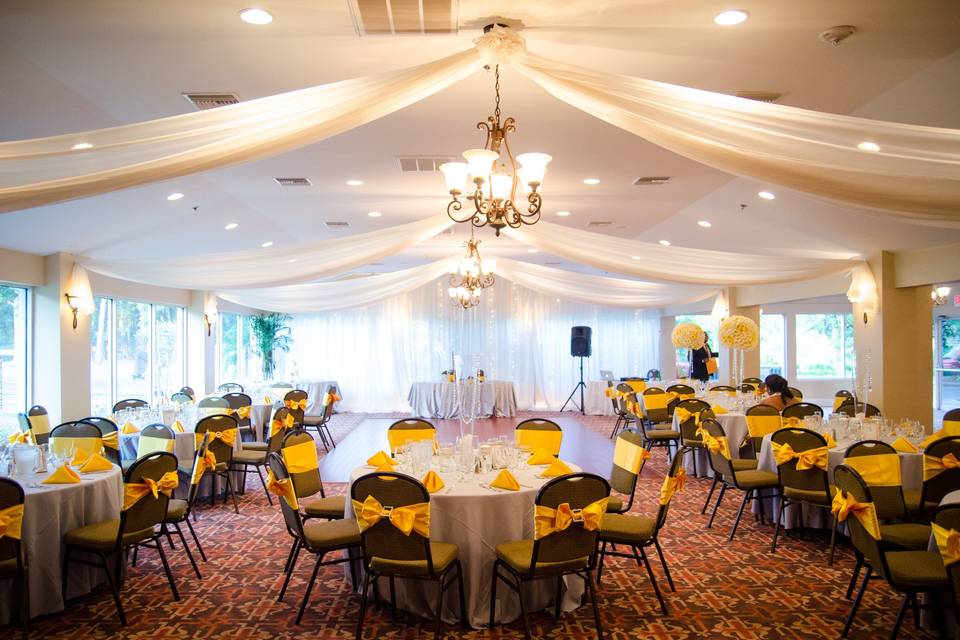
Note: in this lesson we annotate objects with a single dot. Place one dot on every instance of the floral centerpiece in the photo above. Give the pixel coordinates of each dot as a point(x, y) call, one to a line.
point(687, 335)
point(739, 333)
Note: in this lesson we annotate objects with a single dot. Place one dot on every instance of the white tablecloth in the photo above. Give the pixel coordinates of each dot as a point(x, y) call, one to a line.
point(734, 425)
point(477, 519)
point(184, 444)
point(596, 403)
point(440, 399)
point(50, 510)
point(314, 388)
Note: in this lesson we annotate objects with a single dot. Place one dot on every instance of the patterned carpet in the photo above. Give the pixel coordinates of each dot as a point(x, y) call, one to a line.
point(724, 590)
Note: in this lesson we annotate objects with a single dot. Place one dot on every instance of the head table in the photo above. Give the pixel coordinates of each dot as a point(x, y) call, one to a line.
point(444, 399)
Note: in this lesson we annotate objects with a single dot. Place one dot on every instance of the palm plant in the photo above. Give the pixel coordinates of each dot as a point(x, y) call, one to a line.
point(272, 333)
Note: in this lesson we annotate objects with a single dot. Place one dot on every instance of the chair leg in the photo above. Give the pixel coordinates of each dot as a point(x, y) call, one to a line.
point(916, 611)
point(596, 608)
point(363, 605)
point(439, 622)
point(663, 562)
point(25, 603)
point(264, 485)
point(291, 563)
point(776, 527)
point(493, 592)
point(743, 503)
point(603, 557)
point(556, 598)
point(306, 595)
point(63, 575)
point(653, 578)
point(233, 494)
point(713, 486)
point(166, 532)
point(196, 540)
point(114, 590)
point(856, 604)
point(723, 489)
point(833, 541)
point(166, 569)
point(186, 548)
point(464, 622)
point(854, 576)
point(523, 611)
point(903, 610)
point(393, 600)
point(693, 454)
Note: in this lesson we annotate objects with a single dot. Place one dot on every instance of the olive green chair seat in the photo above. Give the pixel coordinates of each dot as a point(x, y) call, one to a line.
point(246, 456)
point(662, 434)
point(627, 529)
point(444, 554)
point(917, 569)
point(519, 554)
point(743, 465)
point(176, 509)
point(188, 471)
point(102, 536)
point(906, 536)
point(756, 479)
point(330, 507)
point(255, 446)
point(815, 497)
point(332, 534)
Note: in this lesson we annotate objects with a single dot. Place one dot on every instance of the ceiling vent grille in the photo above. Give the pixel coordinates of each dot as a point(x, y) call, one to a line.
point(399, 17)
point(421, 164)
point(204, 101)
point(760, 96)
point(448, 231)
point(552, 264)
point(644, 181)
point(599, 223)
point(336, 225)
point(293, 182)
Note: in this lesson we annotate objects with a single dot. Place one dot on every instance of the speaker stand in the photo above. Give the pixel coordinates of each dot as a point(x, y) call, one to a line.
point(581, 386)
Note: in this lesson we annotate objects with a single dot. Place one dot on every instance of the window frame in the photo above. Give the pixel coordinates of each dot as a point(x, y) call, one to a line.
point(28, 342)
point(846, 322)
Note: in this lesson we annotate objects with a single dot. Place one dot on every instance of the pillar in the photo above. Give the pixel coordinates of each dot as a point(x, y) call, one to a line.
point(201, 344)
point(668, 354)
point(751, 359)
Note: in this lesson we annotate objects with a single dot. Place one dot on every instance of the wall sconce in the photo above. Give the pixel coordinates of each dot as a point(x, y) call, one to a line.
point(939, 295)
point(209, 322)
point(79, 295)
point(863, 290)
point(210, 311)
point(74, 309)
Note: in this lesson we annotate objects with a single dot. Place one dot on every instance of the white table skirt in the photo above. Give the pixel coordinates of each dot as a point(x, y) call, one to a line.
point(477, 520)
point(440, 399)
point(49, 512)
point(315, 390)
point(184, 445)
point(594, 400)
point(734, 425)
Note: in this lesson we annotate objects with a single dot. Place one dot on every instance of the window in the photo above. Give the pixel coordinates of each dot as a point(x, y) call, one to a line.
point(706, 322)
point(239, 358)
point(13, 354)
point(773, 344)
point(825, 345)
point(137, 350)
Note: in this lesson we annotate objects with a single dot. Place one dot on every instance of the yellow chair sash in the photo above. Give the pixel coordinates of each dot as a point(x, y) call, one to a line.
point(948, 542)
point(655, 401)
point(881, 470)
point(638, 386)
point(759, 426)
point(295, 405)
point(11, 521)
point(21, 438)
point(792, 422)
point(227, 436)
point(611, 393)
point(283, 488)
point(40, 424)
point(934, 466)
point(549, 440)
point(241, 412)
point(111, 440)
point(634, 408)
point(629, 456)
point(330, 398)
point(839, 400)
point(399, 437)
point(672, 484)
point(300, 458)
point(60, 446)
point(951, 427)
point(134, 492)
point(409, 518)
point(276, 426)
point(716, 444)
point(683, 415)
point(548, 521)
point(819, 457)
point(866, 512)
point(201, 465)
point(149, 444)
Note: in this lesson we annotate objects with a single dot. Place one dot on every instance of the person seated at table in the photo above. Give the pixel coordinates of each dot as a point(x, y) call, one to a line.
point(779, 395)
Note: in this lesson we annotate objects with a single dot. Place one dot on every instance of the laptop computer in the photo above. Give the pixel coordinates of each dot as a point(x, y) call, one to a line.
point(606, 375)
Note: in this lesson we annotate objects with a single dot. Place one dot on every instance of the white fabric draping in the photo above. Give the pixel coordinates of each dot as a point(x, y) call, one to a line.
point(45, 170)
point(274, 266)
point(915, 177)
point(673, 264)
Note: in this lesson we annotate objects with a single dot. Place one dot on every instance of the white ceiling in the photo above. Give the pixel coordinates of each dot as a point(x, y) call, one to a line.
point(70, 66)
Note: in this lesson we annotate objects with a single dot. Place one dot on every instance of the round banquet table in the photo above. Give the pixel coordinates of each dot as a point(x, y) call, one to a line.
point(734, 425)
point(595, 402)
point(439, 399)
point(477, 519)
point(184, 444)
point(315, 390)
point(50, 510)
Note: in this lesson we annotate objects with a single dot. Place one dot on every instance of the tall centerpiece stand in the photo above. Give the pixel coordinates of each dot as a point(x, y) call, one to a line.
point(739, 334)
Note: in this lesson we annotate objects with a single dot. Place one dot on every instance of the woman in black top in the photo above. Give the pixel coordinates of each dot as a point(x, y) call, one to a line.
point(699, 357)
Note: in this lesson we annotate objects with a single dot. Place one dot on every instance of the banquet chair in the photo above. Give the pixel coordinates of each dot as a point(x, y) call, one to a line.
point(539, 433)
point(640, 532)
point(322, 422)
point(189, 391)
point(653, 374)
point(851, 408)
point(129, 403)
point(246, 461)
point(796, 393)
point(181, 398)
point(223, 432)
point(753, 382)
point(840, 397)
point(690, 426)
point(762, 419)
point(155, 437)
point(938, 480)
point(307, 483)
point(611, 392)
point(556, 551)
point(624, 417)
point(746, 387)
point(83, 436)
point(725, 388)
point(801, 410)
point(802, 486)
point(179, 510)
point(409, 430)
point(629, 456)
point(230, 387)
point(392, 553)
point(111, 443)
point(951, 418)
point(907, 572)
point(656, 411)
point(296, 402)
point(12, 555)
point(213, 402)
point(39, 424)
point(734, 474)
point(240, 405)
point(948, 518)
point(682, 390)
point(136, 527)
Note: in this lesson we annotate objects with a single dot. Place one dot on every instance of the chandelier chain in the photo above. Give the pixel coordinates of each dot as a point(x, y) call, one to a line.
point(496, 90)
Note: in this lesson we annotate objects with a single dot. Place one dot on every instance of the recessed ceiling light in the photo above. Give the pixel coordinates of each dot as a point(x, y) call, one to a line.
point(636, 257)
point(731, 17)
point(532, 250)
point(704, 223)
point(81, 145)
point(231, 226)
point(256, 16)
point(174, 196)
point(268, 243)
point(374, 214)
point(563, 214)
point(355, 183)
point(766, 195)
point(292, 260)
point(591, 181)
point(665, 243)
point(868, 146)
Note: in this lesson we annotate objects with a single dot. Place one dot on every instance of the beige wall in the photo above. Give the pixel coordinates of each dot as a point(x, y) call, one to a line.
point(22, 268)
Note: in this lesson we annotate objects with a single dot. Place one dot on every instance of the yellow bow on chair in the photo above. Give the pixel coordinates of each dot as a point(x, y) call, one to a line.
point(283, 488)
point(866, 512)
point(716, 444)
point(683, 415)
point(548, 521)
point(948, 541)
point(11, 520)
point(296, 404)
point(111, 440)
point(672, 484)
point(934, 466)
point(133, 492)
point(610, 392)
point(819, 457)
point(276, 425)
point(241, 412)
point(411, 517)
point(633, 407)
point(21, 438)
point(330, 398)
point(227, 436)
point(202, 465)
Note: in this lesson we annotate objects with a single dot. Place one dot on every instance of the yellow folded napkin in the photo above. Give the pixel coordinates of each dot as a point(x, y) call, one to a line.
point(541, 456)
point(718, 410)
point(903, 445)
point(63, 475)
point(129, 428)
point(432, 482)
point(176, 426)
point(505, 480)
point(831, 443)
point(95, 463)
point(386, 466)
point(79, 458)
point(380, 458)
point(558, 468)
point(267, 401)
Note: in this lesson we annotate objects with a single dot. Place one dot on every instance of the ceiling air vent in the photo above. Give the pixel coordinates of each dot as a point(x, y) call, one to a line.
point(760, 96)
point(650, 180)
point(336, 225)
point(599, 223)
point(396, 17)
point(553, 264)
point(448, 231)
point(420, 164)
point(203, 101)
point(293, 182)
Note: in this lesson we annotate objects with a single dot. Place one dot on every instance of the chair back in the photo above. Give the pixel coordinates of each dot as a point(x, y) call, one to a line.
point(948, 517)
point(629, 456)
point(409, 430)
point(841, 396)
point(39, 424)
point(539, 433)
point(129, 403)
point(724, 388)
point(613, 397)
point(155, 437)
point(230, 387)
point(328, 406)
point(682, 390)
point(800, 440)
point(801, 410)
point(951, 422)
point(296, 401)
point(849, 481)
point(655, 404)
point(298, 451)
point(197, 474)
point(676, 470)
point(753, 380)
point(107, 427)
point(878, 464)
point(181, 398)
point(938, 482)
point(239, 400)
point(11, 497)
point(575, 546)
point(84, 436)
point(217, 424)
point(720, 463)
point(190, 392)
point(213, 402)
point(291, 517)
point(637, 385)
point(699, 409)
point(147, 512)
point(762, 419)
point(851, 408)
point(653, 374)
point(796, 393)
point(746, 387)
point(620, 403)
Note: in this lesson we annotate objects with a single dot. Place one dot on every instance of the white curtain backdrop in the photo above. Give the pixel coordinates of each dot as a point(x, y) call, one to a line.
point(377, 352)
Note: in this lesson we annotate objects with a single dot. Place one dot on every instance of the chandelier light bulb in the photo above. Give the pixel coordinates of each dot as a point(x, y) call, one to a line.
point(455, 174)
point(501, 184)
point(533, 166)
point(480, 161)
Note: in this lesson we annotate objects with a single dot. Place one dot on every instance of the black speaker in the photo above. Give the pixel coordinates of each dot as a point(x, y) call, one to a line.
point(580, 342)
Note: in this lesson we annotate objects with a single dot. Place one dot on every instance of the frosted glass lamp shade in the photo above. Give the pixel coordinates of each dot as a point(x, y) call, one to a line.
point(500, 185)
point(534, 166)
point(480, 161)
point(455, 175)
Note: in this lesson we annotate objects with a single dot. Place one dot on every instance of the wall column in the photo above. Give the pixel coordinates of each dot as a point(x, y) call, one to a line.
point(751, 359)
point(668, 354)
point(201, 347)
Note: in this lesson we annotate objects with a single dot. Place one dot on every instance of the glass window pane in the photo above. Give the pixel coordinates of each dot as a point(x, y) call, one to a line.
point(133, 349)
point(101, 384)
point(168, 359)
point(773, 344)
point(820, 345)
point(13, 355)
point(228, 348)
point(253, 369)
point(849, 351)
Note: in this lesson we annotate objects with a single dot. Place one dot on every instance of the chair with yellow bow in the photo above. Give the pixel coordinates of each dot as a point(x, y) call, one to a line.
point(851, 408)
point(213, 404)
point(539, 433)
point(316, 537)
point(39, 424)
point(223, 434)
point(907, 572)
point(299, 452)
point(840, 397)
point(568, 515)
point(629, 456)
point(613, 393)
point(129, 403)
point(689, 413)
point(803, 461)
point(296, 402)
point(801, 410)
point(640, 532)
point(723, 388)
point(148, 485)
point(947, 536)
point(623, 395)
point(951, 422)
point(153, 438)
point(239, 406)
point(393, 512)
point(684, 391)
point(77, 440)
point(181, 398)
point(189, 391)
point(110, 437)
point(12, 564)
point(656, 425)
point(322, 422)
point(796, 393)
point(230, 387)
point(409, 430)
point(179, 510)
point(746, 387)
point(762, 419)
point(941, 475)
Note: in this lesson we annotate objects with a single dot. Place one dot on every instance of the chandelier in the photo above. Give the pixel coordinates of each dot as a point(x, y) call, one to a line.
point(470, 276)
point(494, 194)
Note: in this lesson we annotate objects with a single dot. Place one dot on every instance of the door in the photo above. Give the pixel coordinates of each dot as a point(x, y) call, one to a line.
point(946, 366)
